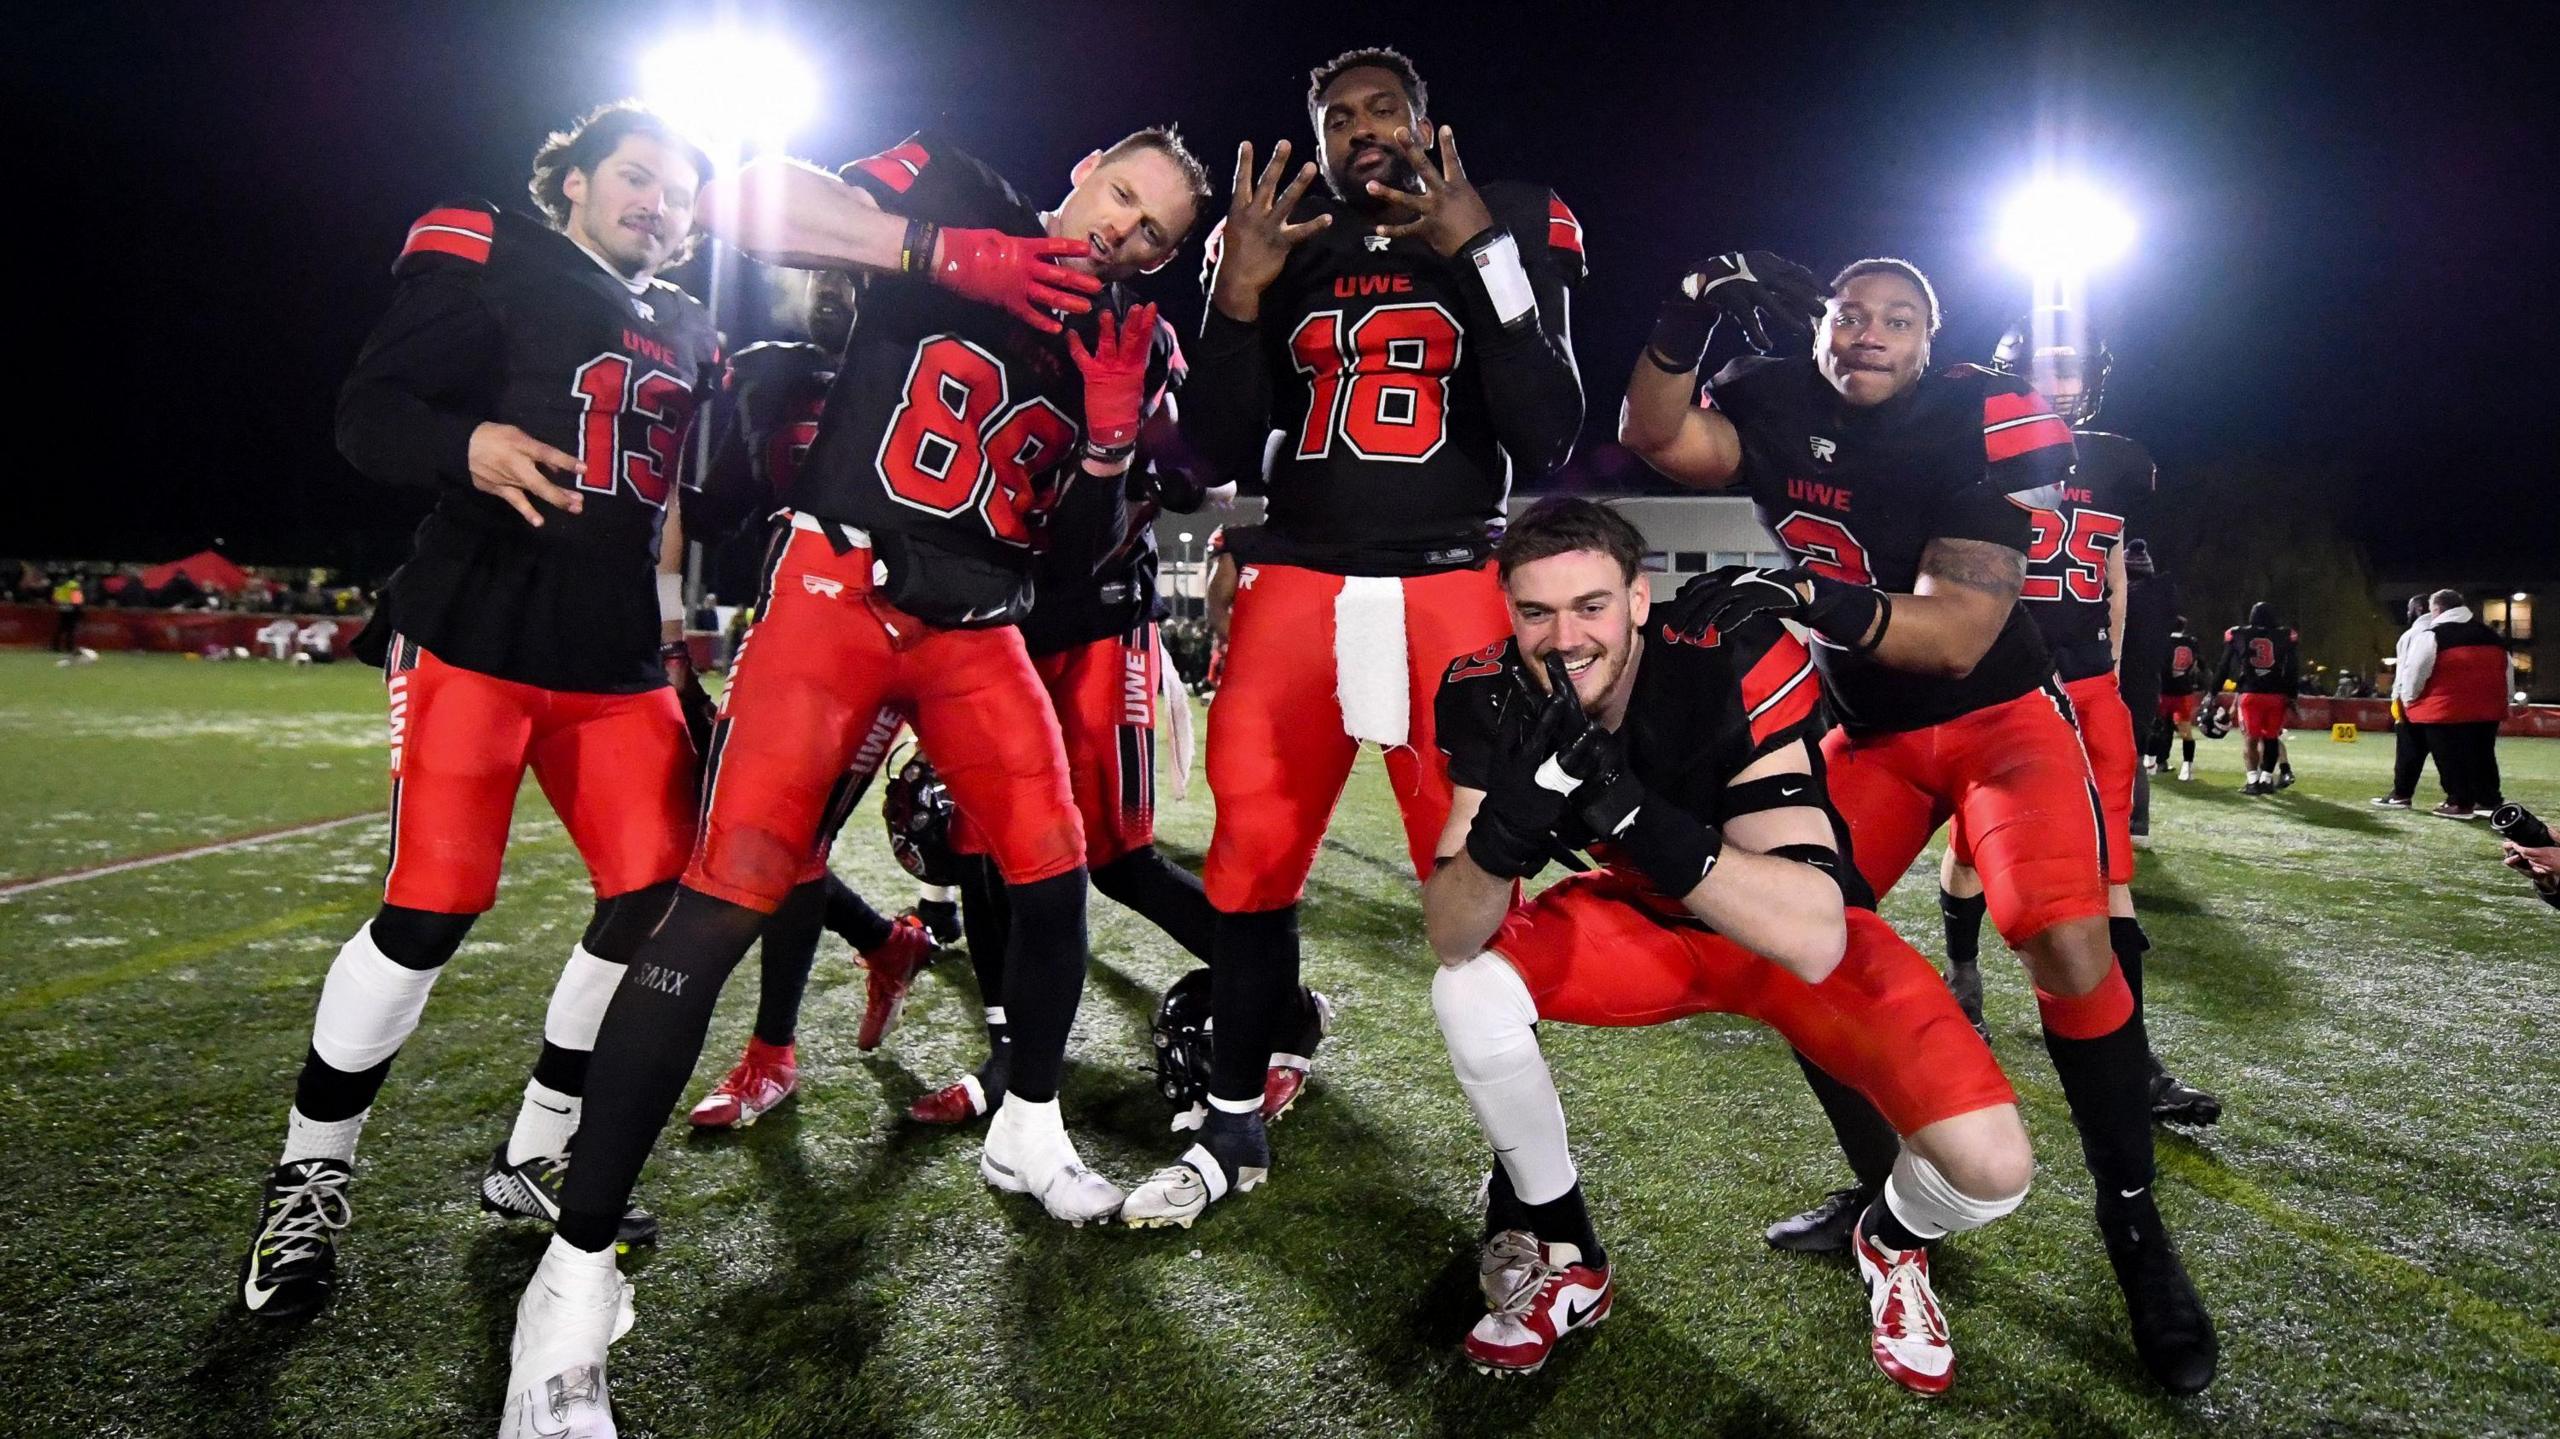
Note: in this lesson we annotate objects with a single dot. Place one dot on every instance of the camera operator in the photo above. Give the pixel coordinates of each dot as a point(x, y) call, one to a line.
point(2529, 850)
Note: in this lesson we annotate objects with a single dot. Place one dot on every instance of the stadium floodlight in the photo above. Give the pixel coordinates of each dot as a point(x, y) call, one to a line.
point(731, 90)
point(2064, 227)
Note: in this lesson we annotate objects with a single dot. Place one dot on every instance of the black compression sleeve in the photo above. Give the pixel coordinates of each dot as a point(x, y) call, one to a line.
point(1532, 390)
point(1226, 403)
point(406, 413)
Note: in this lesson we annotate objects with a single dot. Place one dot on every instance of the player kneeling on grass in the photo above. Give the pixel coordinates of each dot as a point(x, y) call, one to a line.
point(1682, 755)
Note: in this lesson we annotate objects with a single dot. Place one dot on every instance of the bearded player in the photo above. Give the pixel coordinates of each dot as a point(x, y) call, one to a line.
point(2263, 661)
point(962, 429)
point(538, 378)
point(2076, 589)
point(1904, 497)
point(762, 421)
point(1407, 336)
point(1682, 752)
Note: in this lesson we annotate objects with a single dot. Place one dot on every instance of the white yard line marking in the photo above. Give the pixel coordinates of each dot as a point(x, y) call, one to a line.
point(26, 886)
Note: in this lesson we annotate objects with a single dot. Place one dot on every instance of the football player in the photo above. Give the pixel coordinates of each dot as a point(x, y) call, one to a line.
point(1678, 743)
point(1092, 638)
point(964, 428)
point(2181, 690)
point(1407, 335)
point(2076, 589)
point(2264, 660)
point(762, 421)
point(538, 377)
point(1904, 497)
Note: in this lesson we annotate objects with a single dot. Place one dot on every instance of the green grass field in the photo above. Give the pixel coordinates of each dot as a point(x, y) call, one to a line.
point(2374, 1221)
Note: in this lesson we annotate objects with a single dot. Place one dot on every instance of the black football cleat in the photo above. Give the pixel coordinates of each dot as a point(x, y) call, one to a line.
point(532, 1190)
point(941, 920)
point(1825, 1228)
point(2174, 1101)
point(1965, 980)
point(2171, 1330)
point(291, 1268)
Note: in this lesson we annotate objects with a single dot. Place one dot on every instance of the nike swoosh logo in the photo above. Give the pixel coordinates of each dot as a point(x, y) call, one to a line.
point(551, 1109)
point(255, 1295)
point(1574, 1313)
point(2131, 1193)
point(1784, 792)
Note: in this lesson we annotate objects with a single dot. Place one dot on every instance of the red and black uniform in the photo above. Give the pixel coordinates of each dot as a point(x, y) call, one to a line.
point(1607, 948)
point(510, 646)
point(949, 436)
point(2267, 663)
point(762, 422)
point(1404, 407)
point(1857, 495)
point(2182, 678)
point(2073, 537)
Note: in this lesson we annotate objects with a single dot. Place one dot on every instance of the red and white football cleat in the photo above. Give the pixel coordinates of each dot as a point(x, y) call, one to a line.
point(763, 1079)
point(890, 969)
point(1910, 1342)
point(958, 1102)
point(1287, 1077)
point(1538, 1294)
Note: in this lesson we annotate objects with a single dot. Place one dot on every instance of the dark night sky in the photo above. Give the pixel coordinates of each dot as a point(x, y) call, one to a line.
point(2346, 223)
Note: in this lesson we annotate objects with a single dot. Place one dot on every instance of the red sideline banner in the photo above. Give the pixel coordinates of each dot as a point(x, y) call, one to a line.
point(2374, 717)
point(181, 631)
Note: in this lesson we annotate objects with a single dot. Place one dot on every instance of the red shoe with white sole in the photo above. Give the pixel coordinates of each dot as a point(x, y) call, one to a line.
point(958, 1102)
point(1538, 1294)
point(1910, 1343)
point(765, 1078)
point(889, 970)
point(1286, 1079)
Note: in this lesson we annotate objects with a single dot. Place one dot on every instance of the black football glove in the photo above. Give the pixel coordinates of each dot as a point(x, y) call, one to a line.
point(1773, 299)
point(1839, 612)
point(700, 711)
point(1667, 845)
point(1513, 834)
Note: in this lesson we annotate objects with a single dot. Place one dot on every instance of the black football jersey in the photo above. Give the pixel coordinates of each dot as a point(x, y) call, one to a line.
point(1707, 704)
point(762, 421)
point(2070, 543)
point(1858, 495)
point(2184, 673)
point(2263, 658)
point(501, 318)
point(1380, 396)
point(952, 431)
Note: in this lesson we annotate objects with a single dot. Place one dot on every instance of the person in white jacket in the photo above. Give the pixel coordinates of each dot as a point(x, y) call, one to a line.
point(2408, 675)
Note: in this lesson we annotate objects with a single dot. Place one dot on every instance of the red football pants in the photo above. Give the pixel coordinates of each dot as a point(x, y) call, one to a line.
point(823, 658)
point(2016, 775)
point(1278, 753)
point(2106, 737)
point(1605, 948)
point(1104, 693)
point(618, 770)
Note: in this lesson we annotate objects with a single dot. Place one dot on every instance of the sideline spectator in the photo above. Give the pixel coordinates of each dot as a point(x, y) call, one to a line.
point(2461, 675)
point(69, 599)
point(2408, 736)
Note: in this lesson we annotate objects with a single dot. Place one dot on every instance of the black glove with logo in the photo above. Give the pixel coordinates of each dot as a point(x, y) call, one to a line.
point(1839, 612)
point(1773, 299)
point(1667, 845)
point(1514, 833)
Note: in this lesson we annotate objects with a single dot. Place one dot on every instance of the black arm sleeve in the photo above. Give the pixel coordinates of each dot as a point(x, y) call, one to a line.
point(1086, 526)
point(1531, 386)
point(1226, 409)
point(421, 384)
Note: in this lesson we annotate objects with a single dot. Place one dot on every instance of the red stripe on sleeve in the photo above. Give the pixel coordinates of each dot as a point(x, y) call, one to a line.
point(445, 242)
point(2007, 405)
point(1773, 670)
point(1787, 713)
point(898, 167)
point(2042, 433)
point(476, 221)
point(1564, 232)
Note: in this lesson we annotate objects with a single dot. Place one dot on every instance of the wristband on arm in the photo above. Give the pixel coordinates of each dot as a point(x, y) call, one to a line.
point(1496, 257)
point(1844, 613)
point(915, 254)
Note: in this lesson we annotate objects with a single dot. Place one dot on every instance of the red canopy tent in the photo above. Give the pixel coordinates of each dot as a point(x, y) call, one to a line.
point(208, 570)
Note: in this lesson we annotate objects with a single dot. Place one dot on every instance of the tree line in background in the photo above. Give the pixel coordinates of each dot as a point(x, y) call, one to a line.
point(2256, 528)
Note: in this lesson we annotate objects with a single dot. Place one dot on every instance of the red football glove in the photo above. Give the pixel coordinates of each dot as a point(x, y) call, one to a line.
point(1115, 376)
point(1016, 274)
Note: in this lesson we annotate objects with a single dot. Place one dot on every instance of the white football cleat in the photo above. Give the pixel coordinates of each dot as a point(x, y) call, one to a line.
point(1028, 1152)
point(2186, 771)
point(1233, 1156)
point(1535, 1294)
point(574, 1309)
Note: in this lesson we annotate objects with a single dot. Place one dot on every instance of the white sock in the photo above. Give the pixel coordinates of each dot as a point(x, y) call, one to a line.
point(937, 893)
point(1486, 1014)
point(544, 1123)
point(311, 1139)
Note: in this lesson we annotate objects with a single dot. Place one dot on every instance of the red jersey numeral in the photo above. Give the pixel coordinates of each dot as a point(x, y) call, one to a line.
point(953, 445)
point(1826, 547)
point(2083, 547)
point(1486, 661)
point(2262, 653)
point(606, 391)
point(1381, 385)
